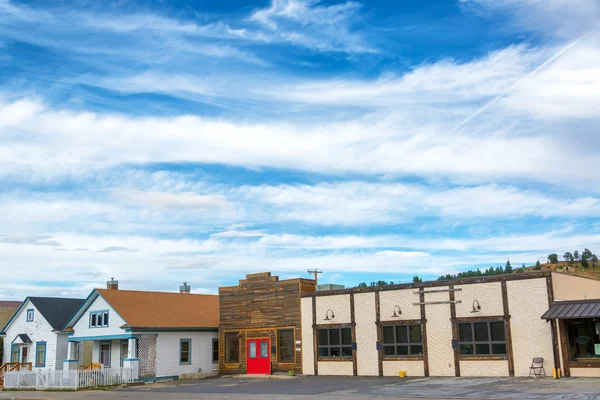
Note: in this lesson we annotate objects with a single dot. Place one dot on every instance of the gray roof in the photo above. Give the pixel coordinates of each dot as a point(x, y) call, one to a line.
point(56, 311)
point(24, 338)
point(573, 309)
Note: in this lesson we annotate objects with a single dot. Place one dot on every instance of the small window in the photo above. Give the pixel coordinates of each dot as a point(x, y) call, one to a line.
point(232, 348)
point(40, 354)
point(30, 315)
point(285, 339)
point(482, 338)
point(99, 320)
point(105, 318)
point(215, 350)
point(93, 320)
point(402, 340)
point(335, 342)
point(185, 351)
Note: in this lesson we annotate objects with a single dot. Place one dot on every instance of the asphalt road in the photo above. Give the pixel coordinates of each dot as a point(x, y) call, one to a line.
point(343, 388)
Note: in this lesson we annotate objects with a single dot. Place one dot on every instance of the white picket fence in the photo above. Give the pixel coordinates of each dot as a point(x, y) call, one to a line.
point(76, 379)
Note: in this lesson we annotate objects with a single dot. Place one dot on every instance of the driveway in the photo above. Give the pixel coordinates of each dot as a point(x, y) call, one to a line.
point(343, 388)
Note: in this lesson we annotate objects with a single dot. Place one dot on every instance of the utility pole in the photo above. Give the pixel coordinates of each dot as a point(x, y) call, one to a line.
point(315, 272)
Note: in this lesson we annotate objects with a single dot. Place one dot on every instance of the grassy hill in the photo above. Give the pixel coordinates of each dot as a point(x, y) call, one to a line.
point(574, 269)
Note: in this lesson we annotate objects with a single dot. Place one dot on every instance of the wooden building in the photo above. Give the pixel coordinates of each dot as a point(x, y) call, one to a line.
point(260, 328)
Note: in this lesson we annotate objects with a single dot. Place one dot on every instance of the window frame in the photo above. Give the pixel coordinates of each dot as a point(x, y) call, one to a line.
point(97, 316)
point(215, 351)
point(14, 347)
point(489, 342)
point(339, 346)
point(189, 351)
point(407, 324)
point(77, 353)
point(37, 352)
point(293, 344)
point(32, 311)
point(237, 338)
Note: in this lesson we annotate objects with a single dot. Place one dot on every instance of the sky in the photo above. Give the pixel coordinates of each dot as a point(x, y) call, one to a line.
point(167, 141)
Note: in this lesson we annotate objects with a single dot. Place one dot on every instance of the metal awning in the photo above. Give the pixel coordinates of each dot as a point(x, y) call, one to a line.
point(573, 309)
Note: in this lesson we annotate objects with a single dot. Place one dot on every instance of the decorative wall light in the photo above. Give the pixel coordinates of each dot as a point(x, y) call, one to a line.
point(476, 308)
point(329, 311)
point(397, 314)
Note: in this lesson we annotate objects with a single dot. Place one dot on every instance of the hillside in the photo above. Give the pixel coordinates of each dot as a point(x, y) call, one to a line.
point(573, 269)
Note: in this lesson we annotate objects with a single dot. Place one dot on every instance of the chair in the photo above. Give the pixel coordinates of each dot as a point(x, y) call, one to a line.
point(537, 368)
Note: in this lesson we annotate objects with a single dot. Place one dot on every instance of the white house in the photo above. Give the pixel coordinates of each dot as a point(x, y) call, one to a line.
point(160, 334)
point(35, 332)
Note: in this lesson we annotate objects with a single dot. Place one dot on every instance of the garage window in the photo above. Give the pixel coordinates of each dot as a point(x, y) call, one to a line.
point(482, 338)
point(335, 342)
point(402, 340)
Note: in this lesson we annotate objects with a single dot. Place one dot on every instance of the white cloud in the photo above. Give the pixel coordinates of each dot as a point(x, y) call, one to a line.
point(564, 18)
point(170, 200)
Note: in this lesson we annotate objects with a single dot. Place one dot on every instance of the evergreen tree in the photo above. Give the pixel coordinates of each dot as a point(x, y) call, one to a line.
point(538, 266)
point(417, 279)
point(508, 269)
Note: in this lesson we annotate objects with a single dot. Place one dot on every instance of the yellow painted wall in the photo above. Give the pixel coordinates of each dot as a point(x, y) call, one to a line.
point(339, 304)
point(366, 334)
point(404, 298)
point(439, 336)
point(339, 368)
point(531, 335)
point(568, 287)
point(489, 296)
point(412, 368)
point(308, 355)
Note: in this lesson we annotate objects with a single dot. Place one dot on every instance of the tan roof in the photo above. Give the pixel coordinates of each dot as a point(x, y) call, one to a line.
point(164, 310)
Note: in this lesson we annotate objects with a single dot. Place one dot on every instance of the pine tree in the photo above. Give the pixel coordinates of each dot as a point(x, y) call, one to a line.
point(538, 266)
point(508, 269)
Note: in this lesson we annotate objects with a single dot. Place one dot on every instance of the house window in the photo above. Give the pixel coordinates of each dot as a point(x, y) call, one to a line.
point(215, 350)
point(105, 354)
point(482, 338)
point(98, 319)
point(30, 315)
point(583, 337)
point(285, 340)
point(402, 340)
point(40, 354)
point(185, 351)
point(232, 347)
point(14, 353)
point(335, 342)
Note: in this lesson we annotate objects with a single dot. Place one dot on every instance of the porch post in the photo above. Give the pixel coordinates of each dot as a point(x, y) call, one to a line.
point(132, 361)
point(70, 364)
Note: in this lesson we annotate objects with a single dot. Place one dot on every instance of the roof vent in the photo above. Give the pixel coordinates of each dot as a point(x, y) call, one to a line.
point(185, 288)
point(112, 284)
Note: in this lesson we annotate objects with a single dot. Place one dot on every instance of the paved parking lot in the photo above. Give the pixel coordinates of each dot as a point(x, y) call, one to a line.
point(344, 388)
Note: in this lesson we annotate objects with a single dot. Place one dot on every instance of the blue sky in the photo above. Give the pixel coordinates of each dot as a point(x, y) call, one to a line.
point(161, 142)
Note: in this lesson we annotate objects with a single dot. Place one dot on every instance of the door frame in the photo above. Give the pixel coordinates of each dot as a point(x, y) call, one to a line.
point(268, 339)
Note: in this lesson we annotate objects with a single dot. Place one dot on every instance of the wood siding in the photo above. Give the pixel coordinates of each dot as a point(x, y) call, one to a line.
point(257, 308)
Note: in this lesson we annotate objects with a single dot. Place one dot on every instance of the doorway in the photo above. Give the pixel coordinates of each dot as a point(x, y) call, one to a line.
point(24, 352)
point(258, 356)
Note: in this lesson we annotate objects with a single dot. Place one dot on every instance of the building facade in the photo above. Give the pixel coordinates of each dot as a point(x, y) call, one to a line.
point(260, 325)
point(158, 334)
point(488, 326)
point(34, 333)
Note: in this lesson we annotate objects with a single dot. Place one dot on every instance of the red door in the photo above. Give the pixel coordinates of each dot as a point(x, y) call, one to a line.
point(258, 356)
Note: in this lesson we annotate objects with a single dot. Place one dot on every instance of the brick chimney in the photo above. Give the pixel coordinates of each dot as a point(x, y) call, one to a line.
point(185, 288)
point(112, 284)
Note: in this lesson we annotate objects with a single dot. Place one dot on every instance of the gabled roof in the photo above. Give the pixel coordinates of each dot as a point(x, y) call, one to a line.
point(573, 309)
point(161, 310)
point(22, 338)
point(57, 311)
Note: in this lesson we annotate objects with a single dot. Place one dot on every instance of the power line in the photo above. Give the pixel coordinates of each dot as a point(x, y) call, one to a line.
point(315, 272)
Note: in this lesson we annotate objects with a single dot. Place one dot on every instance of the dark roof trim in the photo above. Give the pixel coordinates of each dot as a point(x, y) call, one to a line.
point(431, 284)
point(573, 310)
point(24, 338)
